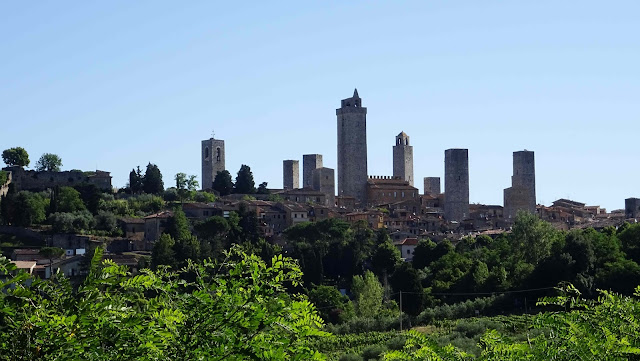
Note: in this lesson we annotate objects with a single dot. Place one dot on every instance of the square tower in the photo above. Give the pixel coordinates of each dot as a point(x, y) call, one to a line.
point(324, 181)
point(212, 161)
point(352, 149)
point(522, 193)
point(309, 163)
point(403, 158)
point(432, 185)
point(290, 174)
point(456, 184)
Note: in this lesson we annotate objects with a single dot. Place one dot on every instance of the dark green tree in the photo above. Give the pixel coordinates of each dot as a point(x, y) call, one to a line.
point(223, 183)
point(49, 162)
point(163, 253)
point(422, 256)
point(27, 209)
point(407, 280)
point(244, 181)
point(386, 257)
point(68, 200)
point(135, 181)
point(152, 180)
point(332, 305)
point(15, 157)
point(262, 188)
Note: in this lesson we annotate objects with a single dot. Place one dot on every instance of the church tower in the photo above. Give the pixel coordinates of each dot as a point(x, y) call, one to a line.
point(352, 148)
point(403, 158)
point(212, 161)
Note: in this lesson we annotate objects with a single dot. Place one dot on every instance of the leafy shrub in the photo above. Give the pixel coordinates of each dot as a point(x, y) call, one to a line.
point(75, 222)
point(351, 357)
point(373, 352)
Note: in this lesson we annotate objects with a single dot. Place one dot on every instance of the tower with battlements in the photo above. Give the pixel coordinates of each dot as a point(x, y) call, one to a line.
point(403, 158)
point(352, 148)
point(212, 161)
point(456, 184)
point(522, 193)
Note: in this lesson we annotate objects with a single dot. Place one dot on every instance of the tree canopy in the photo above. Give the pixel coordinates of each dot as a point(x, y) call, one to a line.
point(244, 181)
point(152, 180)
point(223, 183)
point(49, 162)
point(16, 156)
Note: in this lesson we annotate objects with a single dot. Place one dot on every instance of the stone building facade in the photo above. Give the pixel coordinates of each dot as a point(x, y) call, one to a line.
point(387, 190)
point(212, 161)
point(456, 183)
point(522, 193)
point(432, 186)
point(290, 174)
point(403, 158)
point(310, 162)
point(324, 181)
point(352, 148)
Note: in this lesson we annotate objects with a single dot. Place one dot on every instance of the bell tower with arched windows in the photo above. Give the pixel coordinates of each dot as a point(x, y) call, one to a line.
point(212, 160)
point(403, 158)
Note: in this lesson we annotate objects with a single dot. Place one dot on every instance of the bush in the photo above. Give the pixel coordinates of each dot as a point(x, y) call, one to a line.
point(396, 343)
point(106, 221)
point(171, 195)
point(373, 352)
point(75, 222)
point(350, 357)
point(204, 197)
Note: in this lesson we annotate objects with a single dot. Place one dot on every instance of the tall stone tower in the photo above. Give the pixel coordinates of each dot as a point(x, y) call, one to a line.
point(352, 148)
point(324, 181)
point(309, 163)
point(432, 185)
point(403, 158)
point(522, 193)
point(456, 184)
point(290, 174)
point(212, 161)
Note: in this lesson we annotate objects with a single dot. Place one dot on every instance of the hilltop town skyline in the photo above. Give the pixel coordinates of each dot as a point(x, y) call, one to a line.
point(487, 78)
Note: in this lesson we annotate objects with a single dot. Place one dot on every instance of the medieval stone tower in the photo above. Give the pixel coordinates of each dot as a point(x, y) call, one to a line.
point(324, 181)
point(403, 158)
point(309, 163)
point(432, 185)
point(290, 174)
point(352, 148)
point(522, 193)
point(456, 184)
point(212, 161)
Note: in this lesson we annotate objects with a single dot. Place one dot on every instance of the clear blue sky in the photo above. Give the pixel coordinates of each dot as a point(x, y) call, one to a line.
point(116, 84)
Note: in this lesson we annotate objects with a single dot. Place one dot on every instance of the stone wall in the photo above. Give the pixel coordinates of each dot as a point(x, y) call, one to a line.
point(32, 180)
point(352, 148)
point(456, 177)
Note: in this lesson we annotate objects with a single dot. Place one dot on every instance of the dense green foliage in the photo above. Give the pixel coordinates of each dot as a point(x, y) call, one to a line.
point(16, 156)
point(49, 162)
point(152, 180)
point(4, 177)
point(223, 183)
point(244, 181)
point(233, 310)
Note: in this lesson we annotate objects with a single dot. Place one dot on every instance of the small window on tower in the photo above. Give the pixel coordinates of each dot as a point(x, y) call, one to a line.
point(206, 153)
point(218, 154)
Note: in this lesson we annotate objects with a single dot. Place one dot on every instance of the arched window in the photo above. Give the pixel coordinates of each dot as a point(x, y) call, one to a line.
point(406, 141)
point(218, 154)
point(206, 153)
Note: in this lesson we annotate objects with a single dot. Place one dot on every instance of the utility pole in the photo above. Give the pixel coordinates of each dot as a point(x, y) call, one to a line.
point(400, 311)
